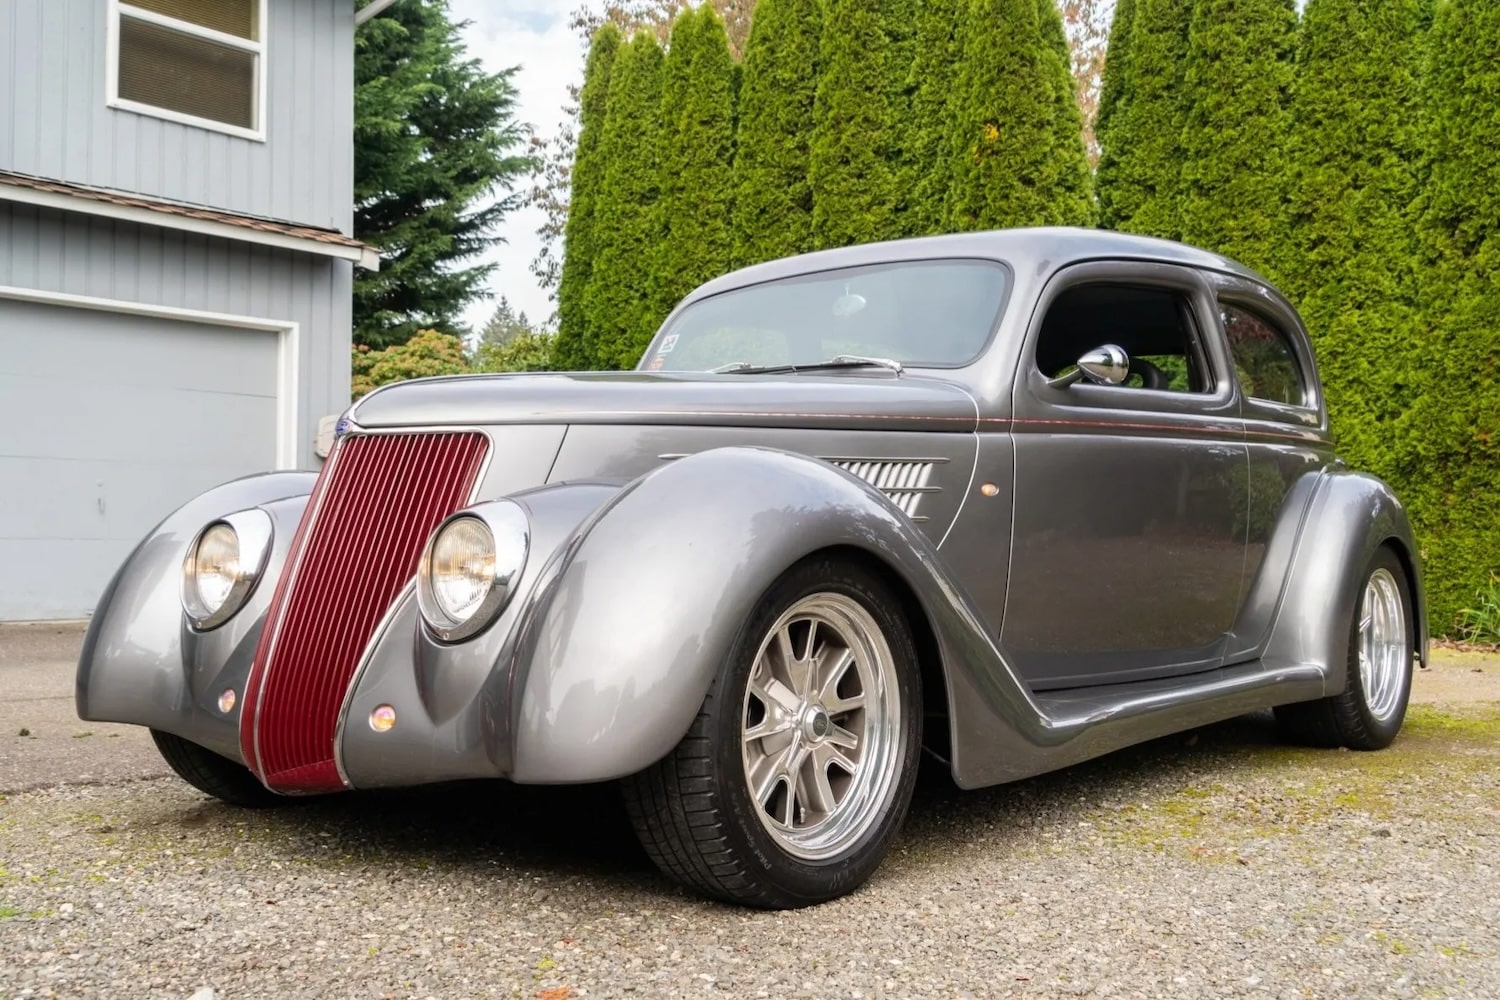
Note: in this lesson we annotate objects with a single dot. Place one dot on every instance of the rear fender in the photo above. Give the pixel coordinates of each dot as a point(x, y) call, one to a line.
point(1352, 515)
point(141, 664)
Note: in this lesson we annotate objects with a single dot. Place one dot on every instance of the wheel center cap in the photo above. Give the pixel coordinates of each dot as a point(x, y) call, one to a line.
point(816, 723)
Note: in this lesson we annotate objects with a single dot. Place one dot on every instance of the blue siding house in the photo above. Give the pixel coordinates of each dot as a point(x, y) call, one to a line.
point(176, 265)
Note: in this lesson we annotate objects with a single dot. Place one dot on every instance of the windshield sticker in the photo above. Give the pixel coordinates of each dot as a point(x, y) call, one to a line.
point(668, 344)
point(656, 364)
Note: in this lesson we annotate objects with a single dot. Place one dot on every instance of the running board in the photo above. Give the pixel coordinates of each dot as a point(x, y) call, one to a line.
point(1082, 723)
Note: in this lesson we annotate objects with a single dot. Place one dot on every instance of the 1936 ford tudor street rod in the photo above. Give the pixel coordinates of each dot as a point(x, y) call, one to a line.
point(1019, 497)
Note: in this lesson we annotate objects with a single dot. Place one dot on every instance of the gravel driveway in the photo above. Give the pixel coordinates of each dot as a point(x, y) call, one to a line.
point(1216, 863)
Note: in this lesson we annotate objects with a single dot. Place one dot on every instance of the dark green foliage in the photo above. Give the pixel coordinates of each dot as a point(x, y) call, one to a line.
point(435, 138)
point(505, 325)
point(580, 242)
point(900, 20)
point(773, 198)
point(696, 151)
point(853, 190)
point(934, 71)
point(1114, 88)
point(619, 314)
point(1142, 113)
point(1239, 77)
point(1071, 177)
point(1451, 452)
point(1012, 164)
point(1352, 170)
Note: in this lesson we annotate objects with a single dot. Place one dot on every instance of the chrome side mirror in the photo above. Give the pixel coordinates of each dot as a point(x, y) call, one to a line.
point(1106, 365)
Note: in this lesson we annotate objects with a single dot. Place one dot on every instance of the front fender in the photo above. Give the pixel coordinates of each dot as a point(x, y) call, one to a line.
point(649, 597)
point(141, 664)
point(1351, 516)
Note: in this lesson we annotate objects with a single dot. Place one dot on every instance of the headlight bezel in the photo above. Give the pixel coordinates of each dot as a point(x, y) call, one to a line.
point(509, 532)
point(253, 531)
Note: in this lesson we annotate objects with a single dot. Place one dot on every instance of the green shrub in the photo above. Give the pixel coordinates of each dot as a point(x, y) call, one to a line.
point(1480, 622)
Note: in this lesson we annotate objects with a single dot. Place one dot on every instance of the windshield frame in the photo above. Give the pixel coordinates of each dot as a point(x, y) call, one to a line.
point(1003, 266)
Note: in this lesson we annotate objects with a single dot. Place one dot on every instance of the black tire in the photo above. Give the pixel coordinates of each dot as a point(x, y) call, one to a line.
point(218, 776)
point(1346, 719)
point(694, 812)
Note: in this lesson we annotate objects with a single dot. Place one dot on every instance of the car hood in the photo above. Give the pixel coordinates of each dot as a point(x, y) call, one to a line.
point(843, 401)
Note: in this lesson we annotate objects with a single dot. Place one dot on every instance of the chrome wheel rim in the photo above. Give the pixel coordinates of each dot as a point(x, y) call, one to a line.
point(821, 726)
point(1384, 654)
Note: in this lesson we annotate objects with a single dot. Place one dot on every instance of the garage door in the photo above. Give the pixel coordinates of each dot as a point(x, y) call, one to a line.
point(107, 423)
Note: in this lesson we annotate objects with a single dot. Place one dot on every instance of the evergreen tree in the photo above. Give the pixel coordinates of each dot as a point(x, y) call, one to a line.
point(853, 191)
point(1239, 76)
point(773, 198)
point(1451, 448)
point(696, 154)
point(1142, 115)
point(1071, 177)
point(1115, 87)
point(580, 244)
point(620, 314)
point(934, 70)
point(505, 325)
point(900, 19)
point(1352, 166)
point(435, 137)
point(1011, 164)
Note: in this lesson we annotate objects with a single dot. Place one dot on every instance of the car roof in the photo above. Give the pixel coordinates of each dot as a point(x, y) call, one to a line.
point(1025, 250)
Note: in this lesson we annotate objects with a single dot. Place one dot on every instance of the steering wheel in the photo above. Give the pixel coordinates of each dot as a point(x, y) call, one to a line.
point(1152, 377)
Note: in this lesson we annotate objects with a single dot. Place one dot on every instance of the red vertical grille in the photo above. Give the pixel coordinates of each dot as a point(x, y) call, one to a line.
point(373, 508)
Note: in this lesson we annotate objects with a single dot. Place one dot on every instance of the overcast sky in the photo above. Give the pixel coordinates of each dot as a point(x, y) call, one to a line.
point(534, 35)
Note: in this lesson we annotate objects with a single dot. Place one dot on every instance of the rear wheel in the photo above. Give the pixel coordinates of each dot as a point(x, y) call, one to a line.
point(218, 776)
point(1368, 714)
point(794, 779)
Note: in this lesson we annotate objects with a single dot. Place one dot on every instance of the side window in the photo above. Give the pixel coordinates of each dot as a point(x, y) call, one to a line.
point(1153, 325)
point(1263, 357)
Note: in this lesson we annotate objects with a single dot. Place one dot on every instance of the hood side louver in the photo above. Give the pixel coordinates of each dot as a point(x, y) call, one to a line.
point(905, 481)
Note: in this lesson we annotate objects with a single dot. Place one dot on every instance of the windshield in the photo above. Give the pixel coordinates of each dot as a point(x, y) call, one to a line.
point(935, 313)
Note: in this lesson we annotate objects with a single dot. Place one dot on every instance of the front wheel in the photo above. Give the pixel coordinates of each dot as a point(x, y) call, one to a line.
point(1368, 714)
point(795, 777)
point(224, 779)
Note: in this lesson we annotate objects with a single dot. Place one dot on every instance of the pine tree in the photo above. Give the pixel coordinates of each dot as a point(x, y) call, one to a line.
point(934, 70)
point(853, 191)
point(580, 244)
point(1352, 175)
point(620, 314)
point(1011, 164)
point(1142, 116)
point(773, 198)
point(1451, 450)
point(1238, 77)
point(696, 155)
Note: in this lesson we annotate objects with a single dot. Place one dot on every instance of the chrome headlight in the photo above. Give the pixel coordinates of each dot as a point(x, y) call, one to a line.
point(222, 567)
point(469, 567)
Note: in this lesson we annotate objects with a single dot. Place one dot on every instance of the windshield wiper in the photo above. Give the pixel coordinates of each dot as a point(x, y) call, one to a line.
point(840, 361)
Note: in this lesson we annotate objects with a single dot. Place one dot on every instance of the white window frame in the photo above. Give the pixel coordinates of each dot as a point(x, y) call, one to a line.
point(117, 8)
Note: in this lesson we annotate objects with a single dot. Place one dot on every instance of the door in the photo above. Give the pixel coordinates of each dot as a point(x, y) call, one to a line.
point(108, 422)
point(1129, 523)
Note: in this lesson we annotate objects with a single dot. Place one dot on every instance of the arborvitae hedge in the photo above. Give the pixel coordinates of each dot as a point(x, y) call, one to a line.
point(696, 152)
point(1452, 445)
point(773, 200)
point(579, 243)
point(1070, 176)
point(1352, 175)
point(1238, 79)
point(1010, 164)
point(1114, 88)
point(620, 316)
point(1140, 139)
point(853, 191)
point(934, 69)
point(900, 20)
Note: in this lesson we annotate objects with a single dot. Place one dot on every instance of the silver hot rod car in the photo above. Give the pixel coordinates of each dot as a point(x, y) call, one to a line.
point(1018, 498)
